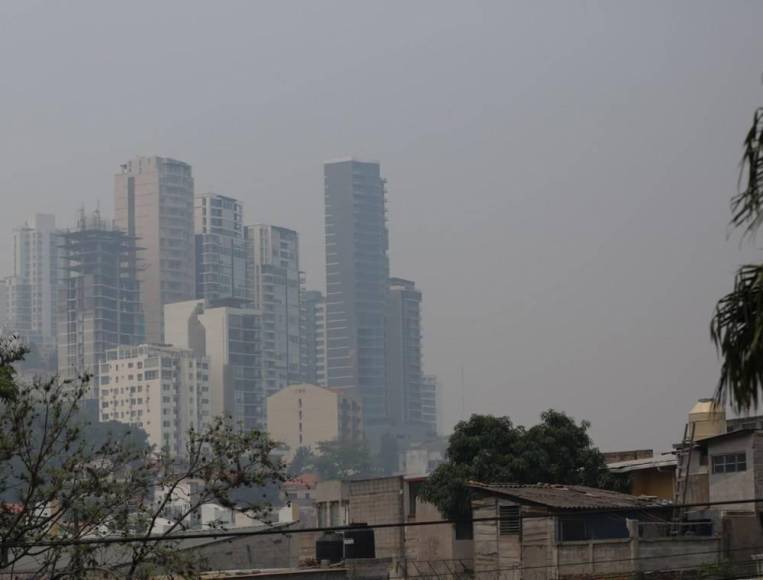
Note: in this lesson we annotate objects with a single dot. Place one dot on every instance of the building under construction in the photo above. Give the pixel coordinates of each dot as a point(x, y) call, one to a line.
point(99, 304)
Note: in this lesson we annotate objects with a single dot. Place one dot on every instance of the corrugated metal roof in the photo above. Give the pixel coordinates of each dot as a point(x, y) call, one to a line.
point(660, 462)
point(572, 497)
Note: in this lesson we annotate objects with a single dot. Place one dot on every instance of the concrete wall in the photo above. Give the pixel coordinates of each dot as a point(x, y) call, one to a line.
point(757, 466)
point(380, 501)
point(654, 482)
point(596, 557)
point(485, 536)
point(730, 486)
point(241, 553)
point(663, 553)
point(742, 535)
point(435, 542)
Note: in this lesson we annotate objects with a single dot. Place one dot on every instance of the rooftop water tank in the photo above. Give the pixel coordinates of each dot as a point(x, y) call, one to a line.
point(706, 419)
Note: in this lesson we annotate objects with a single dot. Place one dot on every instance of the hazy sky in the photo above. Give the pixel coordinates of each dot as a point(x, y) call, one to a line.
point(558, 172)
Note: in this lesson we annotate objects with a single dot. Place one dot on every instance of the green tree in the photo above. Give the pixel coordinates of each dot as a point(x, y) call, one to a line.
point(737, 325)
point(341, 460)
point(62, 489)
point(301, 462)
point(493, 450)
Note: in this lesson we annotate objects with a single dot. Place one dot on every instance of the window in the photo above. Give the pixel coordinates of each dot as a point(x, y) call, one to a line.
point(729, 463)
point(510, 522)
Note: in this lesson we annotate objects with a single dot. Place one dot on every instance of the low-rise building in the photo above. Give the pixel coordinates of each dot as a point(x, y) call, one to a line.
point(160, 389)
point(304, 415)
point(541, 532)
point(439, 549)
point(651, 476)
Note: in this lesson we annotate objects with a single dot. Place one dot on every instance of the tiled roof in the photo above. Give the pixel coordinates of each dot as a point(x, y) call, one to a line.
point(568, 497)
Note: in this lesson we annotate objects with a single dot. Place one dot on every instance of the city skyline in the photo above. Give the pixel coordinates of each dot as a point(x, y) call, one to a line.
point(589, 277)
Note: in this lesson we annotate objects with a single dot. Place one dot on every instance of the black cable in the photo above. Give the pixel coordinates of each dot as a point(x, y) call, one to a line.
point(718, 551)
point(272, 531)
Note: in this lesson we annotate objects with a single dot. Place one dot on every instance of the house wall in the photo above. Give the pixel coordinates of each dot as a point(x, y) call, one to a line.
point(666, 553)
point(485, 535)
point(654, 482)
point(429, 543)
point(731, 486)
point(380, 501)
point(538, 548)
point(757, 466)
point(742, 535)
point(241, 553)
point(595, 557)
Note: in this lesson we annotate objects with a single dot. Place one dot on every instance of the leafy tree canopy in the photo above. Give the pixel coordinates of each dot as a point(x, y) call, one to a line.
point(494, 450)
point(737, 325)
point(65, 484)
point(341, 460)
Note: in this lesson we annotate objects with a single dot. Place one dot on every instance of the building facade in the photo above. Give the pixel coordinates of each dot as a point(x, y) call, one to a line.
point(5, 314)
point(312, 336)
point(357, 272)
point(305, 415)
point(430, 403)
point(274, 277)
point(153, 202)
point(403, 355)
point(220, 248)
point(545, 532)
point(99, 305)
point(163, 390)
point(31, 292)
point(229, 337)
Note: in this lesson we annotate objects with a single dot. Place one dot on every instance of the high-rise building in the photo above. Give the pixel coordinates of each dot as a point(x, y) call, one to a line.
point(403, 354)
point(274, 285)
point(430, 403)
point(229, 337)
point(357, 272)
point(31, 292)
point(99, 306)
point(5, 314)
point(312, 336)
point(220, 248)
point(160, 389)
point(153, 201)
point(306, 415)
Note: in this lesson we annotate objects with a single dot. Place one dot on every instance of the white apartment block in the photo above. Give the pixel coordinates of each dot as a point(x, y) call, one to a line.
point(161, 389)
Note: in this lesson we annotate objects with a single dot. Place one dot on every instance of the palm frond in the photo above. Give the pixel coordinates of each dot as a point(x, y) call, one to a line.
point(737, 332)
point(747, 204)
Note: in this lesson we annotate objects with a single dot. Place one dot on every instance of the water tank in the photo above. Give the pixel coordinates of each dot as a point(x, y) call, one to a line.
point(359, 542)
point(708, 418)
point(329, 547)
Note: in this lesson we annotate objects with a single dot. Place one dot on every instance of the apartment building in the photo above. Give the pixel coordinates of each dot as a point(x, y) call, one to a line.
point(153, 202)
point(221, 250)
point(274, 281)
point(305, 415)
point(163, 390)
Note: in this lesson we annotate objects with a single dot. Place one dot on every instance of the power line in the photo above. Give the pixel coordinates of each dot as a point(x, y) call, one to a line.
point(274, 531)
